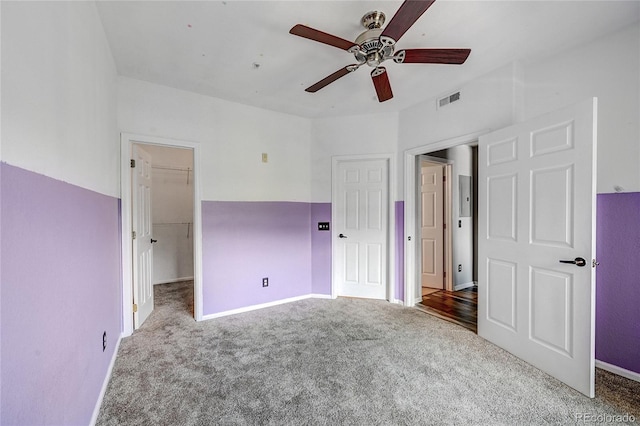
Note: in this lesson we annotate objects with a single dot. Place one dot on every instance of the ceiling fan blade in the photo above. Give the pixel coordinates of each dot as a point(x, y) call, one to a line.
point(331, 78)
point(381, 83)
point(322, 37)
point(404, 18)
point(432, 56)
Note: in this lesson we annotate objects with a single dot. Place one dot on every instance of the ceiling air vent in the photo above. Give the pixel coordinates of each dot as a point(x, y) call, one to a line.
point(448, 99)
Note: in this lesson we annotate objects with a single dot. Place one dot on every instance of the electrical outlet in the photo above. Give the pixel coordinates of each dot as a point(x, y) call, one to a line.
point(104, 341)
point(460, 268)
point(265, 282)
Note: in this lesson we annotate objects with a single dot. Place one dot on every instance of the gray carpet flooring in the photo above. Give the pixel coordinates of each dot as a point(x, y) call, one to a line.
point(334, 362)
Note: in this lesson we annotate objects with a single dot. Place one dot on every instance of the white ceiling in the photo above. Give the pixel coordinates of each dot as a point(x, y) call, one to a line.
point(214, 47)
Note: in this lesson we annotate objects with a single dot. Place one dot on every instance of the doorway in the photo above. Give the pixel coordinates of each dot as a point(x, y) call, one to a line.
point(454, 295)
point(172, 219)
point(176, 223)
point(462, 264)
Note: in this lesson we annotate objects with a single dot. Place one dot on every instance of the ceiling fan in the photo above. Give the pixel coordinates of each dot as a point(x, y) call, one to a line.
point(376, 45)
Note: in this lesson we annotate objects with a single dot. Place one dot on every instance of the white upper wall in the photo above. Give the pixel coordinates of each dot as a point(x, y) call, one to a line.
point(608, 68)
point(486, 103)
point(59, 94)
point(232, 139)
point(353, 135)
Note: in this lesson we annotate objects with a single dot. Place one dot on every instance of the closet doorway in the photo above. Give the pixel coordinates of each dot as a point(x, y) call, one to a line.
point(160, 209)
point(172, 213)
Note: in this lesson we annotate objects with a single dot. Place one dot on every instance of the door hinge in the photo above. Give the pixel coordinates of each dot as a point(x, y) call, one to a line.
point(444, 226)
point(135, 307)
point(444, 178)
point(133, 235)
point(133, 163)
point(594, 263)
point(444, 274)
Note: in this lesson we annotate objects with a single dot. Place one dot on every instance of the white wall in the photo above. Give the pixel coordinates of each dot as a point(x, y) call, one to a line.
point(353, 135)
point(486, 103)
point(59, 94)
point(608, 68)
point(232, 137)
point(172, 213)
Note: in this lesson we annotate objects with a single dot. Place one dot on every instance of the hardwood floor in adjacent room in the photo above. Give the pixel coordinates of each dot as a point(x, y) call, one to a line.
point(460, 307)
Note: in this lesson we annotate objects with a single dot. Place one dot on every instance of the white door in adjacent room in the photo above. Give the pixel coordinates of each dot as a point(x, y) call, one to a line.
point(432, 225)
point(537, 242)
point(142, 238)
point(361, 228)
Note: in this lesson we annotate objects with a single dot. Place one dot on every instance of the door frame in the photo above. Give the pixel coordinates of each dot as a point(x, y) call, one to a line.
point(391, 231)
point(126, 142)
point(411, 156)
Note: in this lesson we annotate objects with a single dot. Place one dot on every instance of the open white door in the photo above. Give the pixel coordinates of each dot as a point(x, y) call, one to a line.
point(537, 209)
point(142, 242)
point(361, 224)
point(432, 225)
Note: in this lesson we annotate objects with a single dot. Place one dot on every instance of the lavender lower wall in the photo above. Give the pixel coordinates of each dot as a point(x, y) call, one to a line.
point(61, 289)
point(246, 241)
point(618, 280)
point(242, 242)
point(320, 250)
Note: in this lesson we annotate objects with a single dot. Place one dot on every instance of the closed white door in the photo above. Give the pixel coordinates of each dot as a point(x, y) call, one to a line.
point(537, 241)
point(432, 225)
point(142, 241)
point(361, 228)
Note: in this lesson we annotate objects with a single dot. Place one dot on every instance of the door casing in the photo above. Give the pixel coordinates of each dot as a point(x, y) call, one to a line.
point(391, 234)
point(126, 142)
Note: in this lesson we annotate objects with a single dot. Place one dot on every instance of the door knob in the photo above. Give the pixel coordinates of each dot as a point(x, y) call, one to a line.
point(578, 261)
point(342, 236)
point(153, 241)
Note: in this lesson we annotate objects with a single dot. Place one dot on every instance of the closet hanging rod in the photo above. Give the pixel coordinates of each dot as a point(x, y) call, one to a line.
point(178, 169)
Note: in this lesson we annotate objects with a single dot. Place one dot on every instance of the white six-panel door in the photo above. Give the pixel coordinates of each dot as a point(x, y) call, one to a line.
point(361, 228)
point(142, 245)
point(432, 225)
point(537, 208)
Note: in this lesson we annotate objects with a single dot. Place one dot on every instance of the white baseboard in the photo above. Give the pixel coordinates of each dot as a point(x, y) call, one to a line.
point(105, 383)
point(265, 305)
point(174, 280)
point(320, 296)
point(463, 286)
point(397, 302)
point(618, 370)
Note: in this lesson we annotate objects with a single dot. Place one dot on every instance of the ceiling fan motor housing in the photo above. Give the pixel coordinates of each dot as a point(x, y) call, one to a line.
point(371, 49)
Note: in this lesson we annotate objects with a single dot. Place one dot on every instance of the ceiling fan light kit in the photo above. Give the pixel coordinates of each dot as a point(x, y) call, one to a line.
point(376, 45)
